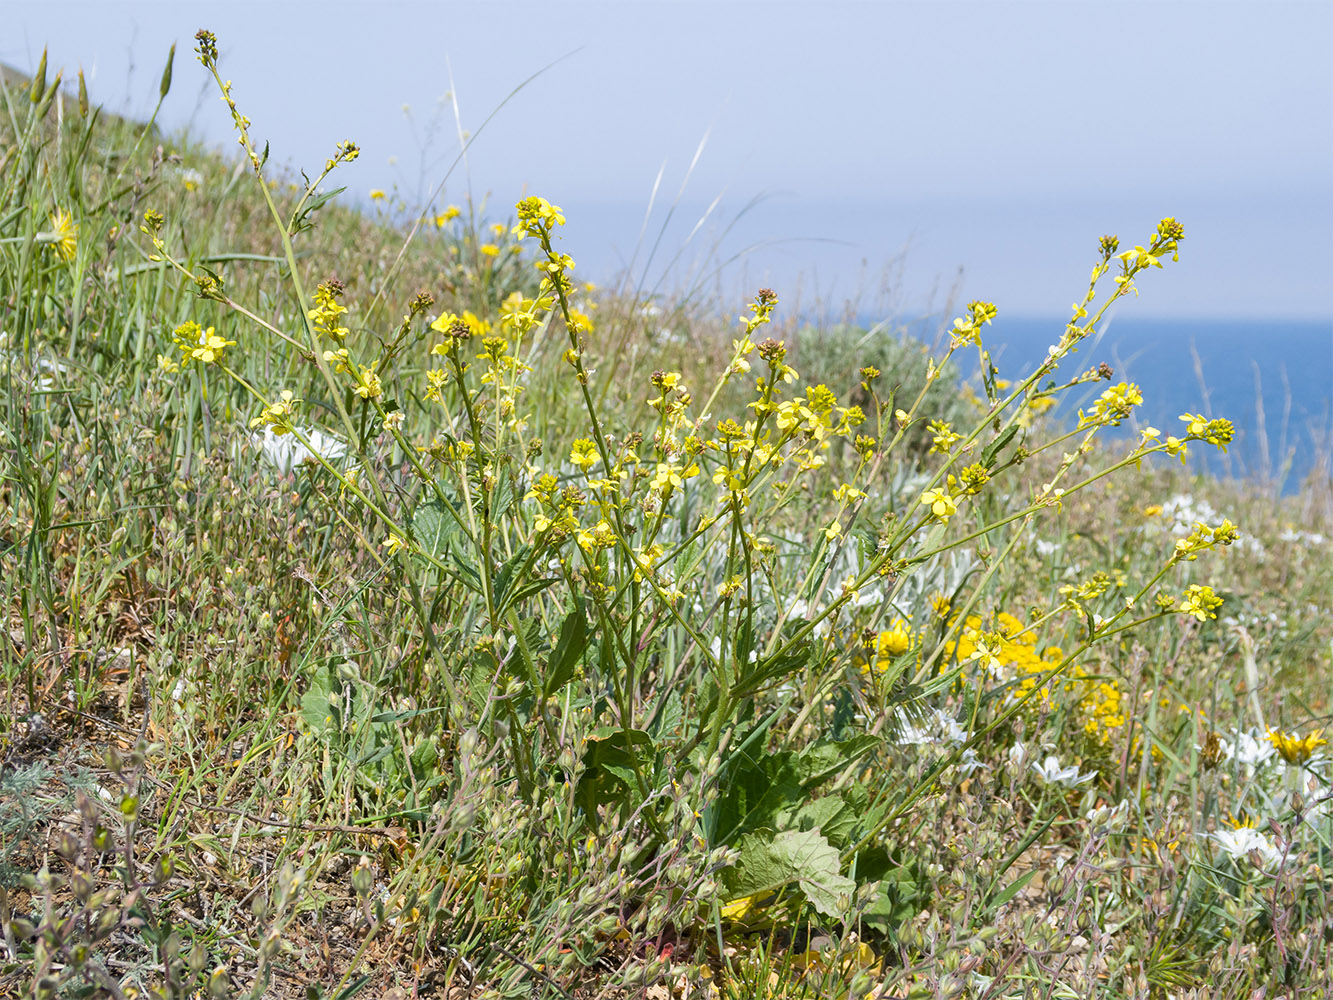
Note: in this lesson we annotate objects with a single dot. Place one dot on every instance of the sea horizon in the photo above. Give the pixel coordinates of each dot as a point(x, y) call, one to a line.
point(1271, 377)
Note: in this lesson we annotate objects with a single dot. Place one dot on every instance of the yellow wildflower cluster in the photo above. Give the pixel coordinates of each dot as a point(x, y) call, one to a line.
point(1216, 432)
point(327, 314)
point(560, 507)
point(1102, 709)
point(1094, 586)
point(278, 415)
point(1112, 406)
point(967, 330)
point(1010, 652)
point(942, 505)
point(446, 323)
point(346, 152)
point(1295, 749)
point(365, 381)
point(537, 217)
point(888, 646)
point(1202, 538)
point(519, 315)
point(198, 344)
point(1200, 601)
point(943, 437)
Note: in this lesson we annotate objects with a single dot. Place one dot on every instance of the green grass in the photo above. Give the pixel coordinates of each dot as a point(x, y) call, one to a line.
point(441, 725)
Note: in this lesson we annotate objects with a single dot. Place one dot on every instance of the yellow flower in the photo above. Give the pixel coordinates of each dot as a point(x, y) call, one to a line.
point(896, 641)
point(670, 476)
point(489, 250)
point(448, 215)
point(940, 503)
point(325, 316)
point(67, 234)
point(537, 216)
point(583, 453)
point(944, 437)
point(368, 383)
point(278, 414)
point(1194, 423)
point(394, 544)
point(376, 194)
point(198, 344)
point(601, 536)
point(1295, 750)
point(1200, 601)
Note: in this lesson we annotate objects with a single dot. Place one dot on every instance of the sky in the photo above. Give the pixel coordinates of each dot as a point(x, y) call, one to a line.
point(895, 155)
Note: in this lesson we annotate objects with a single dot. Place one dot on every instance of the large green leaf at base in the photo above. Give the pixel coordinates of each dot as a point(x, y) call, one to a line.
point(770, 861)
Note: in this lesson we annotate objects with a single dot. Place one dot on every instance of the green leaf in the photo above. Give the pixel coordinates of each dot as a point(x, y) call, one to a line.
point(523, 591)
point(836, 816)
point(568, 651)
point(823, 759)
point(767, 670)
point(1012, 889)
point(612, 760)
point(504, 576)
point(302, 221)
point(768, 790)
point(992, 450)
point(316, 710)
point(434, 528)
point(770, 861)
point(423, 758)
point(353, 989)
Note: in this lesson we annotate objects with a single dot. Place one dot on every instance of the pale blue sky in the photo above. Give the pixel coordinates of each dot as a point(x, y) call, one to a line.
point(997, 138)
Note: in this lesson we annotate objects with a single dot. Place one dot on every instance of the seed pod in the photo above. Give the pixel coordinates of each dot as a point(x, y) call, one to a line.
point(166, 73)
point(38, 81)
point(47, 97)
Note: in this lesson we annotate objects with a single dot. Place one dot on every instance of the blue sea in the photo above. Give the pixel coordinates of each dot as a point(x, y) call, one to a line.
point(1272, 380)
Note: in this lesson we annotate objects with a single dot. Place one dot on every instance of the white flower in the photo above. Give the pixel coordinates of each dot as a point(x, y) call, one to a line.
point(970, 762)
point(1051, 772)
point(1045, 548)
point(1018, 756)
point(284, 452)
point(1112, 819)
point(1302, 537)
point(1249, 748)
point(1240, 841)
point(1181, 512)
point(939, 727)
